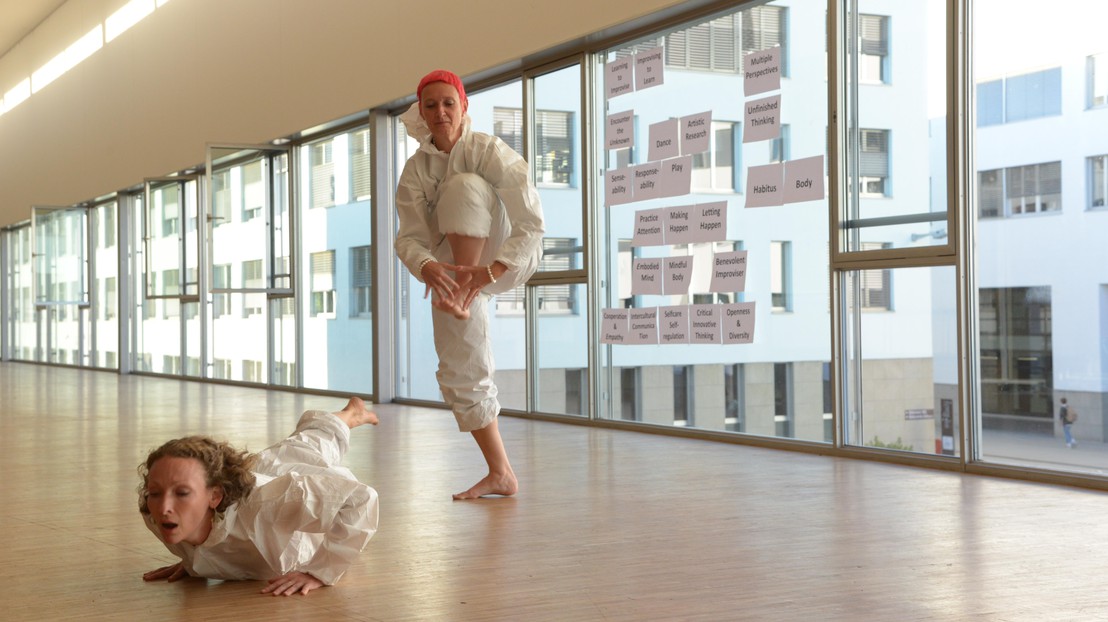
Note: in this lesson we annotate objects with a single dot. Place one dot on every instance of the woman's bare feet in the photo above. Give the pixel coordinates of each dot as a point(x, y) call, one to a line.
point(356, 413)
point(504, 485)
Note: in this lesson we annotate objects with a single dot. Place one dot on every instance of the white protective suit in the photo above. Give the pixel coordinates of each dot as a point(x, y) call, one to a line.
point(305, 514)
point(481, 172)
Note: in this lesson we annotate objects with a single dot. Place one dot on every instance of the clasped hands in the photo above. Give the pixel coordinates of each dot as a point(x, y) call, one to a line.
point(437, 277)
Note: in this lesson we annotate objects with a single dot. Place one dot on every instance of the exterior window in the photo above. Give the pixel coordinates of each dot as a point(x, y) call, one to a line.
point(1026, 96)
point(782, 399)
point(221, 197)
point(221, 369)
point(322, 163)
point(733, 396)
point(253, 191)
point(1025, 189)
point(1098, 80)
point(110, 308)
point(507, 124)
point(779, 147)
point(252, 278)
point(629, 393)
point(252, 371)
point(171, 214)
point(873, 166)
point(556, 257)
point(715, 169)
point(361, 281)
point(553, 143)
point(779, 274)
point(323, 284)
point(554, 147)
point(576, 389)
point(1098, 180)
point(874, 55)
point(360, 170)
point(1033, 95)
point(682, 395)
point(719, 44)
point(221, 279)
point(876, 284)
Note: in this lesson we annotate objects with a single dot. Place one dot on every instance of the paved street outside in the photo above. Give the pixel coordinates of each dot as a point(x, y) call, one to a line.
point(1044, 451)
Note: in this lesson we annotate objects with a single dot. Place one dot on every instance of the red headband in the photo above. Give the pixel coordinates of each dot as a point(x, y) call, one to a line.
point(442, 75)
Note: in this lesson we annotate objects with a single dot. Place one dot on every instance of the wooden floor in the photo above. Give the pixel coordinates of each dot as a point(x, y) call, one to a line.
point(608, 525)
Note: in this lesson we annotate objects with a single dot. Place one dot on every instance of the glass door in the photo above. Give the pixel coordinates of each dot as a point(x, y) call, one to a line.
point(168, 335)
point(60, 283)
point(250, 265)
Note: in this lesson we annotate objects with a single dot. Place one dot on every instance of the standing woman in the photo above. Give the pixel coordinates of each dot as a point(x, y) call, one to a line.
point(470, 226)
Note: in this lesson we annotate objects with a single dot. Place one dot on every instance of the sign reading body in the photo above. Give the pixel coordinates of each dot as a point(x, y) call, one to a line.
point(804, 180)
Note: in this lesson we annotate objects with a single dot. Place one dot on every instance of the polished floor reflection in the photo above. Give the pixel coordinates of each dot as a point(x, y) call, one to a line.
point(609, 525)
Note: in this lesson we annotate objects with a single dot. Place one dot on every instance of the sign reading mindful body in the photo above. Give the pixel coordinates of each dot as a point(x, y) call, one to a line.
point(678, 275)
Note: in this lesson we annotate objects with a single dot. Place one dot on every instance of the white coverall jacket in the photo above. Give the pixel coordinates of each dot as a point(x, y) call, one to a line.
point(305, 514)
point(466, 367)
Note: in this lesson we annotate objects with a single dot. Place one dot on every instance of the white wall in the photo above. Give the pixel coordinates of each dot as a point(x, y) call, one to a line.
point(199, 71)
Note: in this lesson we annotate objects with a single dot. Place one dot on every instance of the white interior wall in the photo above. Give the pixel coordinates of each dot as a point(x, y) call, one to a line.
point(247, 71)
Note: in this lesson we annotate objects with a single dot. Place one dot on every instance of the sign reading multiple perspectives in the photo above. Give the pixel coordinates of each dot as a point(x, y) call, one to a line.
point(668, 173)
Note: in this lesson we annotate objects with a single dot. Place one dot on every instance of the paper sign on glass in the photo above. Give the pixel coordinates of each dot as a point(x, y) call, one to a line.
point(804, 180)
point(646, 276)
point(663, 140)
point(696, 133)
point(613, 326)
point(647, 181)
point(763, 185)
point(678, 275)
point(762, 71)
point(676, 176)
point(649, 227)
point(642, 326)
point(711, 226)
point(762, 119)
point(617, 186)
point(673, 324)
point(619, 77)
point(704, 324)
point(679, 224)
point(728, 272)
point(620, 132)
point(648, 68)
point(738, 322)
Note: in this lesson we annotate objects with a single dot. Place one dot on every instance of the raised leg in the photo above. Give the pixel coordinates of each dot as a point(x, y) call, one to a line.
point(467, 252)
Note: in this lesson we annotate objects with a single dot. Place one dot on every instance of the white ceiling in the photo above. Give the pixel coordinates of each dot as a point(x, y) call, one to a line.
point(20, 17)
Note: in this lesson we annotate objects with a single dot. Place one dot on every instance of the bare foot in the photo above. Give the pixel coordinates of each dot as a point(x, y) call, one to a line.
point(356, 413)
point(504, 485)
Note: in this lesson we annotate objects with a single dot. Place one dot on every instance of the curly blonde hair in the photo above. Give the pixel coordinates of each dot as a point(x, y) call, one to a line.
point(224, 466)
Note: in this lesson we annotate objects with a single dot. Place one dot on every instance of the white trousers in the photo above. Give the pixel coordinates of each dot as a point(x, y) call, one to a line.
point(466, 367)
